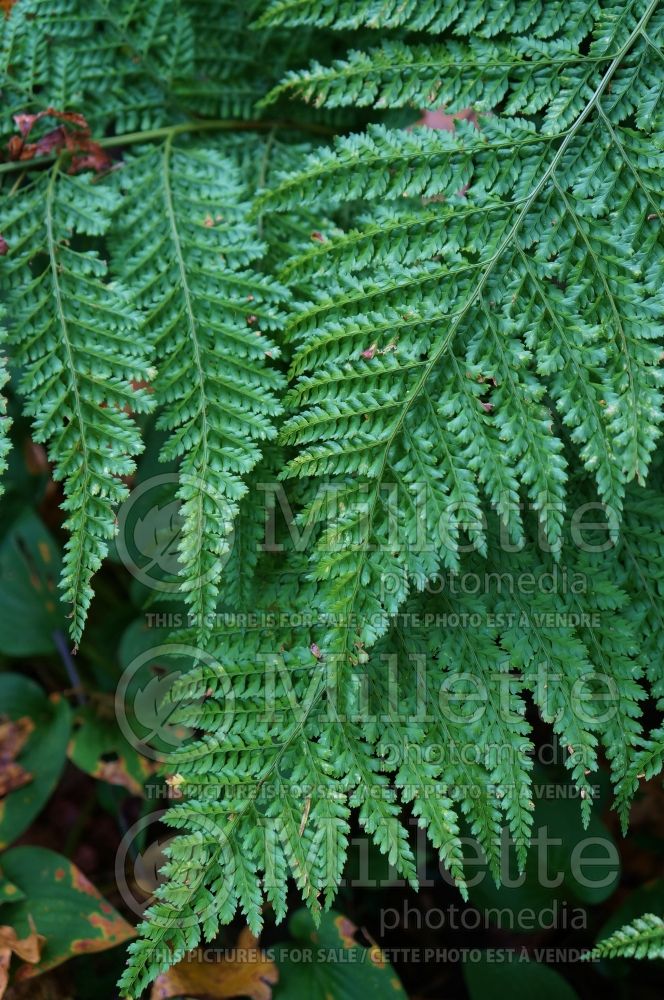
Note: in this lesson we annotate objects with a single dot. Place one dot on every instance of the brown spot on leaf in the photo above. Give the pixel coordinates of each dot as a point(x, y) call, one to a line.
point(347, 931)
point(116, 772)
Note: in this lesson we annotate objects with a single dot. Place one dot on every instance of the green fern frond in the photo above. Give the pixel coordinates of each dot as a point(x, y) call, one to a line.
point(74, 334)
point(485, 20)
point(86, 57)
point(520, 259)
point(531, 68)
point(184, 249)
point(642, 938)
point(276, 712)
point(470, 323)
point(537, 75)
point(647, 763)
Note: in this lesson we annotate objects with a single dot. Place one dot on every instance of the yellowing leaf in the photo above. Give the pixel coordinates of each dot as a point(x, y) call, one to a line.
point(250, 974)
point(98, 747)
point(63, 905)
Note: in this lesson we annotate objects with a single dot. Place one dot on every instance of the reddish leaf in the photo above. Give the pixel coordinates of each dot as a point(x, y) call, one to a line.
point(73, 135)
point(25, 123)
point(439, 119)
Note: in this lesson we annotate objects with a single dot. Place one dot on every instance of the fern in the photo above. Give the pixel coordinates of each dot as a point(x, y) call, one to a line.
point(444, 344)
point(647, 763)
point(74, 334)
point(642, 938)
point(183, 247)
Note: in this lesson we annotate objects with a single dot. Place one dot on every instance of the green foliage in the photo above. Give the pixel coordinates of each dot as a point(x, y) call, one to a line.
point(469, 322)
point(43, 756)
point(358, 972)
point(643, 938)
point(73, 335)
point(61, 905)
point(522, 980)
point(183, 245)
point(30, 565)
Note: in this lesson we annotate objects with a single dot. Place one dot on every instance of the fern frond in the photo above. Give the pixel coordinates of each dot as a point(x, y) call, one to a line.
point(520, 263)
point(112, 61)
point(534, 67)
point(538, 75)
point(642, 938)
point(647, 763)
point(74, 334)
point(471, 323)
point(483, 19)
point(184, 249)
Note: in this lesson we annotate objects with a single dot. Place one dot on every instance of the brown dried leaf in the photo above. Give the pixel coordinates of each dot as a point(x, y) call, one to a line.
point(249, 974)
point(73, 135)
point(12, 740)
point(25, 122)
point(28, 949)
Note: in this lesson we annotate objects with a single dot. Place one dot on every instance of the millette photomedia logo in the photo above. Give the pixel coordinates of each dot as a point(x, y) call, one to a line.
point(150, 530)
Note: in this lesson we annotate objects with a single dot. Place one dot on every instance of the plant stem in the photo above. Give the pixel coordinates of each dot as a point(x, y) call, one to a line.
point(169, 131)
point(62, 647)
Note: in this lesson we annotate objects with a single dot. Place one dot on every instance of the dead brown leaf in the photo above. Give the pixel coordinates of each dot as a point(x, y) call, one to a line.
point(28, 949)
point(248, 974)
point(73, 135)
point(13, 735)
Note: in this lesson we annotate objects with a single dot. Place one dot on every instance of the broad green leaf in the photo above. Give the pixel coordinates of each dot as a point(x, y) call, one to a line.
point(340, 967)
point(30, 608)
point(9, 893)
point(98, 747)
point(518, 980)
point(43, 755)
point(64, 906)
